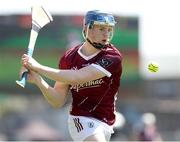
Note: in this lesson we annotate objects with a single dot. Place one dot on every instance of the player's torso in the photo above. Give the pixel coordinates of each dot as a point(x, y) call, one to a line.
point(95, 97)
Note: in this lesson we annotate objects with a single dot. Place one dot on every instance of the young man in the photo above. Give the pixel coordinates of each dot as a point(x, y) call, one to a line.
point(92, 72)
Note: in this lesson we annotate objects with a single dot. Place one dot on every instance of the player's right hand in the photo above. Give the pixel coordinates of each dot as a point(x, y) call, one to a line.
point(30, 63)
point(32, 77)
point(22, 70)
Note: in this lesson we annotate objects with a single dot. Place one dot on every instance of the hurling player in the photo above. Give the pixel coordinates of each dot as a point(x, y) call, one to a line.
point(92, 72)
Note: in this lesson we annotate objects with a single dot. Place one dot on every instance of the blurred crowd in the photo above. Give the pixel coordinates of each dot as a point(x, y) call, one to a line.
point(34, 119)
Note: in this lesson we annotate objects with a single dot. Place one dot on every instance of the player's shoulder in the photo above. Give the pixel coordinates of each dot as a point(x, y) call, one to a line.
point(72, 51)
point(111, 50)
point(67, 58)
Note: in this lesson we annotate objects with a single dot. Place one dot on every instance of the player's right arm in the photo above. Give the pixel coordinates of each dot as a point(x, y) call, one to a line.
point(55, 96)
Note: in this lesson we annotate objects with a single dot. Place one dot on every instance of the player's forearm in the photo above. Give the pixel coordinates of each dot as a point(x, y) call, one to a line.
point(66, 76)
point(52, 97)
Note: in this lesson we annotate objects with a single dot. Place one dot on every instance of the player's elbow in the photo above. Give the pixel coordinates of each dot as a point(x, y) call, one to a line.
point(57, 105)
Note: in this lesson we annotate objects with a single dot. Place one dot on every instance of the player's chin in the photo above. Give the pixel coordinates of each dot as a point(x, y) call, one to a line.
point(105, 42)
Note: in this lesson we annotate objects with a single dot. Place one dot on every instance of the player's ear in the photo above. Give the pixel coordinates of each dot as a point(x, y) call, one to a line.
point(84, 30)
point(84, 33)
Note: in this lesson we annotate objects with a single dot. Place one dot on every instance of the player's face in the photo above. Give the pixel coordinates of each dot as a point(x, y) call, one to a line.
point(100, 34)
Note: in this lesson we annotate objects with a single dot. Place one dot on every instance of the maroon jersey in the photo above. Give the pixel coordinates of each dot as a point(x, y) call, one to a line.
point(95, 98)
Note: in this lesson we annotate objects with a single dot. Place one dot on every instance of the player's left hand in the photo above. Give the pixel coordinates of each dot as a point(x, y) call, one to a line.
point(30, 63)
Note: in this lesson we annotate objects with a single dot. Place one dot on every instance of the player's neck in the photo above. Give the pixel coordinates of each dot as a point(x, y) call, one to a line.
point(88, 49)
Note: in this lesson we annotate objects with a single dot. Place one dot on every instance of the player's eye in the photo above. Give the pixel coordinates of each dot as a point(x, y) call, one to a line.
point(110, 29)
point(106, 29)
point(101, 29)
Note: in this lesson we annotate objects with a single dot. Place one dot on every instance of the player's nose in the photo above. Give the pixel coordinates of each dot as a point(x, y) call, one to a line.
point(106, 33)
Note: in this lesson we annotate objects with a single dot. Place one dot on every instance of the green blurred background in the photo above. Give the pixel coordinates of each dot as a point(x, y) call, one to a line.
point(54, 39)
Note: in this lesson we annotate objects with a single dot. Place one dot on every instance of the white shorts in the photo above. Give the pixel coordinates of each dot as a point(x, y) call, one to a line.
point(81, 127)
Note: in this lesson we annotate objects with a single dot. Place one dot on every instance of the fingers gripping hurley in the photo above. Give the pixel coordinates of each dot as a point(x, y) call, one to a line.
point(40, 18)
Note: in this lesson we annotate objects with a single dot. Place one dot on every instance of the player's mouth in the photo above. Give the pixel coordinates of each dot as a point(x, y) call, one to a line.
point(104, 41)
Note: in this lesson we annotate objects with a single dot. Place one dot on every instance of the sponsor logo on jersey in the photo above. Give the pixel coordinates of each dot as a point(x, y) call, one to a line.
point(89, 84)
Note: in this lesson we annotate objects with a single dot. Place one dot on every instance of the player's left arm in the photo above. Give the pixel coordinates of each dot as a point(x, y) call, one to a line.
point(103, 67)
point(95, 71)
point(72, 76)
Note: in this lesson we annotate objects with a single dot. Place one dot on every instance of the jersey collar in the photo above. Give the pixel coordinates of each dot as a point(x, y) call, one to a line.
point(87, 57)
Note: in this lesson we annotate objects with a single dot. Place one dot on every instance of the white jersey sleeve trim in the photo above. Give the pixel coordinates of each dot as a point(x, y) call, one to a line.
point(108, 74)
